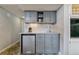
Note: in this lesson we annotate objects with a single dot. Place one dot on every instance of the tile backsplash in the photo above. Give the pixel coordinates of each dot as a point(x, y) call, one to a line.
point(38, 28)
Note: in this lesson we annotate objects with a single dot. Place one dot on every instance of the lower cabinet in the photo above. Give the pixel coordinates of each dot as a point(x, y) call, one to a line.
point(47, 43)
point(40, 44)
point(51, 43)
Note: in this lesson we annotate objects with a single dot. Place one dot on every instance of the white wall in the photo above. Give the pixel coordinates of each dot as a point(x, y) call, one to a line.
point(59, 26)
point(62, 26)
point(73, 46)
point(67, 13)
point(37, 28)
point(9, 28)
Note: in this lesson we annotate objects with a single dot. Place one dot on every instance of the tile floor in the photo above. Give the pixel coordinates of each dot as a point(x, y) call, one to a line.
point(14, 50)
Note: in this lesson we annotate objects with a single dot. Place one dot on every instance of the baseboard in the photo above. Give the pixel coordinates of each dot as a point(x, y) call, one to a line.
point(9, 46)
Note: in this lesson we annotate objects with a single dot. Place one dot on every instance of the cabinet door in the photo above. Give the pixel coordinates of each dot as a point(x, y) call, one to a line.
point(28, 44)
point(27, 17)
point(33, 16)
point(56, 43)
point(51, 43)
point(52, 17)
point(30, 16)
point(49, 17)
point(46, 17)
point(40, 43)
point(48, 44)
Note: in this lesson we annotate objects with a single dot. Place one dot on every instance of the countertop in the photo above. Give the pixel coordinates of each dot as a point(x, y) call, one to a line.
point(39, 33)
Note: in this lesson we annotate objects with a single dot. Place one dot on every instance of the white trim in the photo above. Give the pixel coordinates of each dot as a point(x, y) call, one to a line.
point(9, 46)
point(67, 13)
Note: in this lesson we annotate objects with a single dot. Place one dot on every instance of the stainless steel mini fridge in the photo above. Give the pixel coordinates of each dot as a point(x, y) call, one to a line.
point(28, 44)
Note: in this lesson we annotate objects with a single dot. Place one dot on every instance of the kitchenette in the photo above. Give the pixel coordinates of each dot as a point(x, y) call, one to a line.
point(43, 32)
point(38, 37)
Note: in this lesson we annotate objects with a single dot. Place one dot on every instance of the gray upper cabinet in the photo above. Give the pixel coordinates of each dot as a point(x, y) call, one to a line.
point(46, 18)
point(30, 17)
point(53, 17)
point(49, 17)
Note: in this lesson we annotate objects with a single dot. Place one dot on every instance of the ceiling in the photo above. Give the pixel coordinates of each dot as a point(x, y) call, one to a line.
point(39, 7)
point(18, 9)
